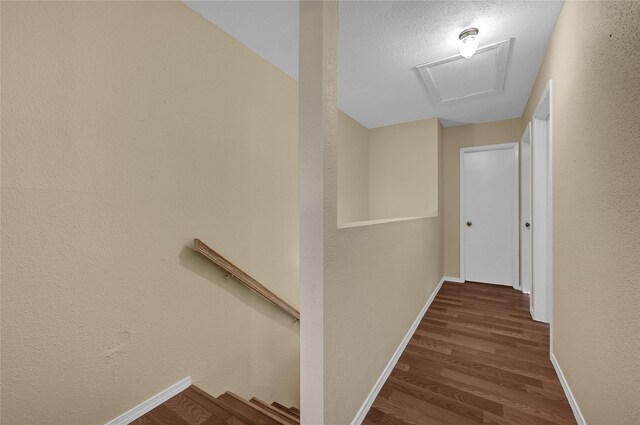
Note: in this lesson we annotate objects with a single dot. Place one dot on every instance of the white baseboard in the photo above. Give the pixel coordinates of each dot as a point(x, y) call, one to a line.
point(148, 405)
point(364, 409)
point(567, 391)
point(452, 279)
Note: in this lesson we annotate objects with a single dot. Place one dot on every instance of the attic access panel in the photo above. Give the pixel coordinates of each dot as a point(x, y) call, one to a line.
point(458, 78)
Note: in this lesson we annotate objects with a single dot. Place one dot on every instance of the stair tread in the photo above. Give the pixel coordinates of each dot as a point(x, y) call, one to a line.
point(284, 408)
point(280, 408)
point(214, 420)
point(218, 408)
point(193, 406)
point(160, 415)
point(288, 417)
point(257, 415)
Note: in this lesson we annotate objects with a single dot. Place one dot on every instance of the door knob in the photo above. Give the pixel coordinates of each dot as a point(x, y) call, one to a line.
point(527, 224)
point(469, 224)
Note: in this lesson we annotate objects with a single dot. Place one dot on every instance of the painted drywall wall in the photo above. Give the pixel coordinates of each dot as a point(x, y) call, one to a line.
point(455, 138)
point(403, 170)
point(318, 127)
point(353, 170)
point(388, 172)
point(596, 199)
point(377, 278)
point(128, 129)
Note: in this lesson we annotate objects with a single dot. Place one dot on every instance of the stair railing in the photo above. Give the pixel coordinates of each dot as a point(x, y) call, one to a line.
point(244, 278)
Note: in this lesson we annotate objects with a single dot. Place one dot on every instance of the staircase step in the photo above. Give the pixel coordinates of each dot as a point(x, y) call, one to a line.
point(292, 411)
point(195, 406)
point(221, 410)
point(214, 420)
point(258, 415)
point(280, 408)
point(286, 416)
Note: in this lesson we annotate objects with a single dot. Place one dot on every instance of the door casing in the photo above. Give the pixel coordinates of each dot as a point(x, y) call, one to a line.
point(542, 199)
point(525, 211)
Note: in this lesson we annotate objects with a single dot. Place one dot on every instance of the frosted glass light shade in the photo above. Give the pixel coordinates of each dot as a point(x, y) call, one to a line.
point(468, 42)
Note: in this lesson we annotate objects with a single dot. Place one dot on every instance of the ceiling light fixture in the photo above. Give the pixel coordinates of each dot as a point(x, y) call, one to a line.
point(468, 42)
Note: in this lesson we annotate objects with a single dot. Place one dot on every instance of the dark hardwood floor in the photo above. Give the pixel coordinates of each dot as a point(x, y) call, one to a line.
point(477, 357)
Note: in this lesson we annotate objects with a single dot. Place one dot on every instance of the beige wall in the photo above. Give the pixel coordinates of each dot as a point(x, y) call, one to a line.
point(376, 280)
point(353, 170)
point(128, 129)
point(594, 63)
point(456, 138)
point(318, 114)
point(377, 277)
point(387, 172)
point(403, 170)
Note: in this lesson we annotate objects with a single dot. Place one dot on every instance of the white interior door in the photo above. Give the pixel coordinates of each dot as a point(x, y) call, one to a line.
point(489, 214)
point(525, 210)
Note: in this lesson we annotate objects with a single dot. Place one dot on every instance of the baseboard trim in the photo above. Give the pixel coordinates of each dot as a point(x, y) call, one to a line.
point(567, 391)
point(452, 279)
point(148, 405)
point(364, 409)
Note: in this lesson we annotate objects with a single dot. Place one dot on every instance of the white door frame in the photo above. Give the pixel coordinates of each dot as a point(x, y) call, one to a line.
point(515, 212)
point(542, 207)
point(525, 209)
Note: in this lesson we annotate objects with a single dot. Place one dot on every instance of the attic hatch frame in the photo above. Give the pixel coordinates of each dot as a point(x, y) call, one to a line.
point(503, 57)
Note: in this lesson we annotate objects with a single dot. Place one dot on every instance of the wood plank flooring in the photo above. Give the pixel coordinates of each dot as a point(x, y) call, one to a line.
point(477, 357)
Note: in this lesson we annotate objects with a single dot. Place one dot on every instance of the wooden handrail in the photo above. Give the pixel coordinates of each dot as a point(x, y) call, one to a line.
point(243, 277)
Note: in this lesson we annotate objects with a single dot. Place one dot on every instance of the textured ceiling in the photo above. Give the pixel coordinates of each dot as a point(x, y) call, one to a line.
point(381, 42)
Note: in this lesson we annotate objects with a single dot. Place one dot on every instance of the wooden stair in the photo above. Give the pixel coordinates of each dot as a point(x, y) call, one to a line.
point(193, 406)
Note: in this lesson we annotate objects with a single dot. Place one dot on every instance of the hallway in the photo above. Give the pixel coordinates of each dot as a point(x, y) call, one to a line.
point(476, 358)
